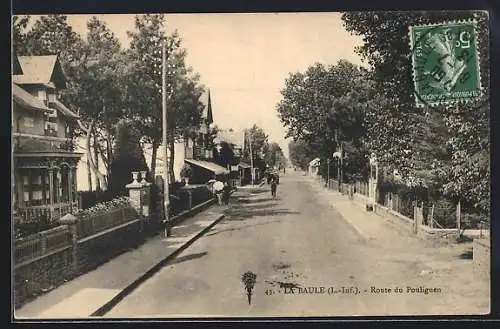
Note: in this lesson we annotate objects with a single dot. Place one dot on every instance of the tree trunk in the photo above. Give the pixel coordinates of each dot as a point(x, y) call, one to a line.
point(154, 154)
point(91, 166)
point(95, 170)
point(171, 147)
point(96, 161)
point(109, 144)
point(89, 175)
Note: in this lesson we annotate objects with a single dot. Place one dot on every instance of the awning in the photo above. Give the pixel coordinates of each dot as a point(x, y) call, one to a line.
point(213, 167)
point(244, 165)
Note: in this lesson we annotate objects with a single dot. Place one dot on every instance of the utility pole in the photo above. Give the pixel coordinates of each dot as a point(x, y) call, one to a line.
point(166, 192)
point(251, 158)
point(328, 172)
point(341, 163)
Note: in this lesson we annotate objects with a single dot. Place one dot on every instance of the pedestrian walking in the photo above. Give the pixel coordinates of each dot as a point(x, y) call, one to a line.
point(226, 193)
point(219, 188)
point(274, 187)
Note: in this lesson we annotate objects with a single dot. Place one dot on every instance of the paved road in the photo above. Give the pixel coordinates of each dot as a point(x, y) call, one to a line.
point(300, 243)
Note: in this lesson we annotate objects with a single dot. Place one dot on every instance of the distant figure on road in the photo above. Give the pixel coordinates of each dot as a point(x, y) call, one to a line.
point(226, 193)
point(269, 177)
point(274, 186)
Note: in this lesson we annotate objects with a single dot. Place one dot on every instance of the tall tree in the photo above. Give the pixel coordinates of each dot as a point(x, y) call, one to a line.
point(128, 156)
point(144, 85)
point(225, 155)
point(98, 92)
point(255, 140)
point(325, 107)
point(463, 129)
point(273, 155)
point(19, 42)
point(300, 153)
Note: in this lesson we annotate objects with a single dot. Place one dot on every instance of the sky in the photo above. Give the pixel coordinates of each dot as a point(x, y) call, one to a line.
point(244, 59)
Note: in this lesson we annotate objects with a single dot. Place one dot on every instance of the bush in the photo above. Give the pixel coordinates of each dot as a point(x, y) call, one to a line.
point(34, 226)
point(186, 171)
point(128, 156)
point(103, 208)
point(91, 198)
point(473, 221)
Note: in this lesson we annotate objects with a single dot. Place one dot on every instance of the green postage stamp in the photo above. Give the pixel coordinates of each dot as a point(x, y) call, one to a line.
point(445, 62)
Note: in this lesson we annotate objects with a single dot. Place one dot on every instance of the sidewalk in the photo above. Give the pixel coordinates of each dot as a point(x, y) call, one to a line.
point(86, 294)
point(367, 224)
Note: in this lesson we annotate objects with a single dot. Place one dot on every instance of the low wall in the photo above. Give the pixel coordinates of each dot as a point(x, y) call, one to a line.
point(47, 259)
point(39, 274)
point(481, 251)
point(397, 218)
point(421, 230)
point(103, 246)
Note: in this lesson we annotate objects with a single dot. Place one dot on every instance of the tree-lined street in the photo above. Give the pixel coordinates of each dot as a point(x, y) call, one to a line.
point(369, 165)
point(301, 241)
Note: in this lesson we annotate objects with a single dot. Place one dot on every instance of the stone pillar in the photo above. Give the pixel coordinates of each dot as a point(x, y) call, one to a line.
point(71, 221)
point(145, 195)
point(135, 192)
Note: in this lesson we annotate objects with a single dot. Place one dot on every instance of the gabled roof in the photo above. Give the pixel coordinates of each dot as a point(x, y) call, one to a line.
point(26, 100)
point(41, 70)
point(207, 107)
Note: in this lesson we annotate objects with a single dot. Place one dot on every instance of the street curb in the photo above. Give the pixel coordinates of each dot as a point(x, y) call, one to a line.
point(101, 311)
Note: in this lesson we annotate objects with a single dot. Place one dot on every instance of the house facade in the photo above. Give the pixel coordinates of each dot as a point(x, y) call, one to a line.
point(44, 161)
point(199, 149)
point(240, 172)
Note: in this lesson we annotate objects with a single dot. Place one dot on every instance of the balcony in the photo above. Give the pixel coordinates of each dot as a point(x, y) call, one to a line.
point(44, 143)
point(34, 213)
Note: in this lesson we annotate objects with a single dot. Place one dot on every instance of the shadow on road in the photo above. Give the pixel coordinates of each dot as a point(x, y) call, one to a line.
point(247, 212)
point(188, 257)
point(466, 255)
point(240, 227)
point(247, 200)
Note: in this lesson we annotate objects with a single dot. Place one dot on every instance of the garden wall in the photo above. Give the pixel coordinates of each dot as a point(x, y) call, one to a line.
point(46, 259)
point(103, 246)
